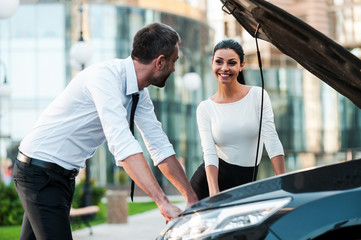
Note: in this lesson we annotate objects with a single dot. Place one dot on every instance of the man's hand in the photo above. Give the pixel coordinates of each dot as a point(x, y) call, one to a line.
point(137, 168)
point(169, 211)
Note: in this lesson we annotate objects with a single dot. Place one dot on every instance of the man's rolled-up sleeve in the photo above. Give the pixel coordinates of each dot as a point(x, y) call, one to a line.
point(106, 92)
point(154, 137)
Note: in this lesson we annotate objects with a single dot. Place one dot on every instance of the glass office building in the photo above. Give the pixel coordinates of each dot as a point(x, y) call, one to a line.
point(315, 124)
point(34, 50)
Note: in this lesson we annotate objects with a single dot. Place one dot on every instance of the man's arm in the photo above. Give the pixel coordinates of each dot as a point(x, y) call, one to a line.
point(172, 169)
point(138, 169)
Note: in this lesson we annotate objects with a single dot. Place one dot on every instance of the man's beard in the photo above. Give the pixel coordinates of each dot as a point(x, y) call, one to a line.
point(160, 81)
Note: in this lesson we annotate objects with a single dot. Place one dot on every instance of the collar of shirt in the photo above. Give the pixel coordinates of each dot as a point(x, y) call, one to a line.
point(131, 77)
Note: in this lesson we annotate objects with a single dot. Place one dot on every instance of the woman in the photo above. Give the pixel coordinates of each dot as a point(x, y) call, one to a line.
point(228, 124)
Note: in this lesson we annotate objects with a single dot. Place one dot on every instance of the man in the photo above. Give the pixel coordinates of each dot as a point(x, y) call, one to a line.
point(95, 107)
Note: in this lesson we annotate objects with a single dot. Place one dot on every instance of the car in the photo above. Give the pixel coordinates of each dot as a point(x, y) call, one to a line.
point(317, 203)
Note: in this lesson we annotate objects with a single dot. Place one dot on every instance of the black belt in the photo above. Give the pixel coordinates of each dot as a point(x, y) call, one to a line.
point(48, 165)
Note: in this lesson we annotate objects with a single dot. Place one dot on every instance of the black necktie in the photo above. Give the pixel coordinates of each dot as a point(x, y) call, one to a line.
point(135, 99)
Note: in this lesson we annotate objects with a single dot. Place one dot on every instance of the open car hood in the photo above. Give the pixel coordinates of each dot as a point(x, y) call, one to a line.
point(317, 53)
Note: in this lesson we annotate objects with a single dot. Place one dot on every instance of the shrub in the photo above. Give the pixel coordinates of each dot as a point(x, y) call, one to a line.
point(97, 194)
point(11, 211)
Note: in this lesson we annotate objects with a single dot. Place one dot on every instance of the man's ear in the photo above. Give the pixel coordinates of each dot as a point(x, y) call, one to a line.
point(160, 62)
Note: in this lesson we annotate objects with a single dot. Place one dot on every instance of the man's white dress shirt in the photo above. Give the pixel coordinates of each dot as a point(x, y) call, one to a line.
point(94, 108)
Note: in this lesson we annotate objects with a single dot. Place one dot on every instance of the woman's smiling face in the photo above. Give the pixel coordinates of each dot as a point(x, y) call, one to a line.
point(226, 65)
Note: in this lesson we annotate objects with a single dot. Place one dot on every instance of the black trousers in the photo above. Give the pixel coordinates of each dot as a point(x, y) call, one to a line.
point(46, 197)
point(229, 176)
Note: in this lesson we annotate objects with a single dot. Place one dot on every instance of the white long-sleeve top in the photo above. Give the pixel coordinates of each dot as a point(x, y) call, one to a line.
point(230, 130)
point(94, 108)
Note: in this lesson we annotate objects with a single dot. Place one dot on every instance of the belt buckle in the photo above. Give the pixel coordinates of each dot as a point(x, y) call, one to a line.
point(73, 173)
point(22, 158)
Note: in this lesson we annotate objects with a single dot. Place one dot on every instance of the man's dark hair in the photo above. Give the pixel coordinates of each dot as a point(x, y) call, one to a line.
point(153, 40)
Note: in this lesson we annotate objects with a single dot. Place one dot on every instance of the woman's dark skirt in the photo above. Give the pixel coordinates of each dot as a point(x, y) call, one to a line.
point(229, 176)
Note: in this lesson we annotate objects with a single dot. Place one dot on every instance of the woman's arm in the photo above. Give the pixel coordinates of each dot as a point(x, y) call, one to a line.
point(209, 149)
point(212, 179)
point(278, 163)
point(272, 142)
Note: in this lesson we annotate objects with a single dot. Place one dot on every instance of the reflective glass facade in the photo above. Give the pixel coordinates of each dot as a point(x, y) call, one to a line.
point(175, 104)
point(345, 21)
point(34, 48)
point(315, 124)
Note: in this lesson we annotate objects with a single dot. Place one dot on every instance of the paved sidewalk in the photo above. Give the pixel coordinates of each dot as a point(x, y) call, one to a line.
point(144, 226)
